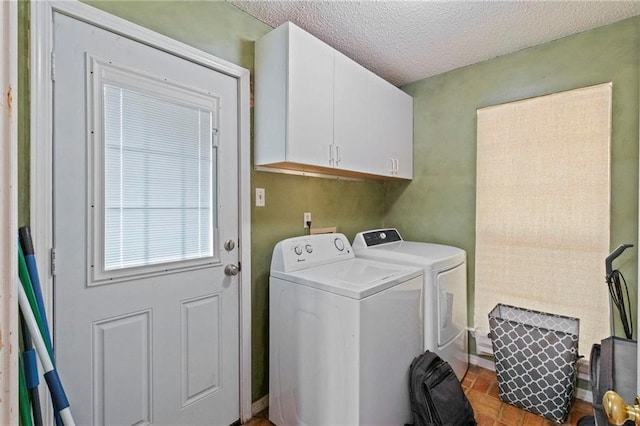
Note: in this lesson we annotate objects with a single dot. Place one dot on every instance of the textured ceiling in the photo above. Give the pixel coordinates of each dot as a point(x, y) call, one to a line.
point(405, 41)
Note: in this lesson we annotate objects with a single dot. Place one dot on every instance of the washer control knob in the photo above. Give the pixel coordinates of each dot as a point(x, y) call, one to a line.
point(297, 250)
point(308, 248)
point(339, 244)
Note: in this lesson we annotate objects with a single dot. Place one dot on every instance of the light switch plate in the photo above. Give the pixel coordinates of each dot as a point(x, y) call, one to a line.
point(260, 197)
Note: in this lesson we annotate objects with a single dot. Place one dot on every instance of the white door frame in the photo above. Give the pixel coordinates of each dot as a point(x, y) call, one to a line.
point(8, 212)
point(42, 157)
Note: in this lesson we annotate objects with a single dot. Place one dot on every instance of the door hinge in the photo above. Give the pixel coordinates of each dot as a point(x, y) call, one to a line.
point(52, 258)
point(53, 66)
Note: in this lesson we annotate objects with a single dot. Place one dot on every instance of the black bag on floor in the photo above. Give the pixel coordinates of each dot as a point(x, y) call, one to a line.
point(437, 398)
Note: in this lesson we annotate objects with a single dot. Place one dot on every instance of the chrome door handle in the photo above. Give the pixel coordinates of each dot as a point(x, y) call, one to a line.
point(231, 270)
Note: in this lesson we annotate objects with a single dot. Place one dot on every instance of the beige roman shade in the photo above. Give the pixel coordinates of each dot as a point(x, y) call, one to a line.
point(543, 202)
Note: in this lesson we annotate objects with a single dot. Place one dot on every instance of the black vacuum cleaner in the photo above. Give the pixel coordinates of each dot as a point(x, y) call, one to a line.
point(614, 281)
point(614, 361)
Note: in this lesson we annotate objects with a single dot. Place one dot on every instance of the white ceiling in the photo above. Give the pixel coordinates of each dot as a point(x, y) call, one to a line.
point(405, 41)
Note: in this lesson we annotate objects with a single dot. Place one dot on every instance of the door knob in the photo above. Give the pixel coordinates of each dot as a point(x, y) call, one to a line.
point(617, 411)
point(231, 270)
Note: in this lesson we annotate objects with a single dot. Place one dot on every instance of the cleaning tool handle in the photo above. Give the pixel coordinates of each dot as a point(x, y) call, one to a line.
point(59, 398)
point(31, 368)
point(36, 337)
point(26, 243)
point(609, 260)
point(23, 397)
point(23, 273)
point(25, 240)
point(53, 381)
point(31, 372)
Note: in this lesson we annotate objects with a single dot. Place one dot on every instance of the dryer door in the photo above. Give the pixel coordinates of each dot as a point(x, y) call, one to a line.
point(452, 303)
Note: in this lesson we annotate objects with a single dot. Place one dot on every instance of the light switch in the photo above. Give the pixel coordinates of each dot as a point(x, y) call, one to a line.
point(259, 197)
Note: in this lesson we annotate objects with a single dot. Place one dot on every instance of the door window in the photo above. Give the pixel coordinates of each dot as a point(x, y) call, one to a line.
point(155, 173)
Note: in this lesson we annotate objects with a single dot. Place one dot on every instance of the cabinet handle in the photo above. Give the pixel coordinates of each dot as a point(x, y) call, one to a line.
point(394, 166)
point(331, 154)
point(338, 157)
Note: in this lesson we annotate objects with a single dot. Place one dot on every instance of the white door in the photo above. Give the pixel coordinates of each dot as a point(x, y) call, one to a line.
point(145, 197)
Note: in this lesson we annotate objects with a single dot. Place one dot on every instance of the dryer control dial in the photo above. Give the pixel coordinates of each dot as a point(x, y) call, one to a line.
point(298, 250)
point(339, 244)
point(308, 248)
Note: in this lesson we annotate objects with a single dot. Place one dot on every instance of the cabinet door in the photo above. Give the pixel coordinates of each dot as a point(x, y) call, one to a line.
point(390, 129)
point(380, 128)
point(402, 128)
point(351, 115)
point(310, 99)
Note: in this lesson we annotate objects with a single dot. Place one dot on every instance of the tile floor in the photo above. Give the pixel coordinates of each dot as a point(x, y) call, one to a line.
point(481, 388)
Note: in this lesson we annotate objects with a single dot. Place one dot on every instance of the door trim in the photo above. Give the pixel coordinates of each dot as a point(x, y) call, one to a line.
point(42, 156)
point(8, 213)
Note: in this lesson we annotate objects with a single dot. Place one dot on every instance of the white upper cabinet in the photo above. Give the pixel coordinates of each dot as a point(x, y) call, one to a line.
point(317, 110)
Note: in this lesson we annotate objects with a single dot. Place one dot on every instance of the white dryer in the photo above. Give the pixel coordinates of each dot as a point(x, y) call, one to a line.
point(342, 335)
point(445, 289)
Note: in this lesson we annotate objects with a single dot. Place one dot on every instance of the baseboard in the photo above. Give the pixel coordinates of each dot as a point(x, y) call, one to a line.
point(584, 395)
point(482, 362)
point(583, 373)
point(260, 405)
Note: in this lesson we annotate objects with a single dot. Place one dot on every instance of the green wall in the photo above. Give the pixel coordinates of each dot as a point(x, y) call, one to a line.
point(23, 114)
point(439, 204)
point(228, 33)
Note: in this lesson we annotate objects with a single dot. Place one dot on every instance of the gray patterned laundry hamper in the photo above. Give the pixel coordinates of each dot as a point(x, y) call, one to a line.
point(536, 356)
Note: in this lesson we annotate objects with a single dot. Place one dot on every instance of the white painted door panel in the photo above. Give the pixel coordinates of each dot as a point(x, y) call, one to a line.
point(154, 346)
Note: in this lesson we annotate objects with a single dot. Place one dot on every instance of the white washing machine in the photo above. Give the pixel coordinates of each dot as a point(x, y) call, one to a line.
point(342, 335)
point(445, 289)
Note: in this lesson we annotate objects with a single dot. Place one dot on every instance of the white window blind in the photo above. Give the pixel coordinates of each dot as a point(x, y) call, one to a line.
point(543, 207)
point(158, 169)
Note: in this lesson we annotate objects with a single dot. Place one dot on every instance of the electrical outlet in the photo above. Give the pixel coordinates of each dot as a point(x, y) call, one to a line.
point(306, 218)
point(259, 197)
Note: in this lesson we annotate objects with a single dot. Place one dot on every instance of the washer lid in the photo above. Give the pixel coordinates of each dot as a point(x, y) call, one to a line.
point(354, 278)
